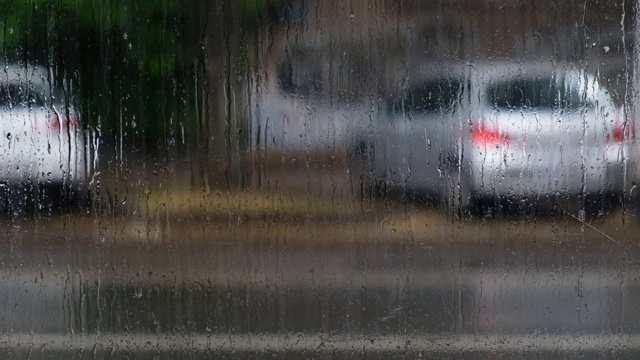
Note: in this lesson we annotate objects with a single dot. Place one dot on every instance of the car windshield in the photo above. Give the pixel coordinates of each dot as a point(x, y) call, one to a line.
point(539, 93)
point(13, 94)
point(440, 95)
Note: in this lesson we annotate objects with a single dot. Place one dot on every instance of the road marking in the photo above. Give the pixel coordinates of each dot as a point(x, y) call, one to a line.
point(291, 275)
point(453, 343)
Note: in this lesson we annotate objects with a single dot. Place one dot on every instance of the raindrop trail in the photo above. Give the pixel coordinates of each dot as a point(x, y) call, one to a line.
point(595, 229)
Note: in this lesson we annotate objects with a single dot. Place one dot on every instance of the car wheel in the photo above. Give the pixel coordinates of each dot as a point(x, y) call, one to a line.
point(362, 168)
point(57, 197)
point(459, 200)
point(15, 199)
point(598, 206)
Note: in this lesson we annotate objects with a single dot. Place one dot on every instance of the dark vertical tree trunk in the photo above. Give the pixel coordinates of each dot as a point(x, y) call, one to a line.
point(221, 152)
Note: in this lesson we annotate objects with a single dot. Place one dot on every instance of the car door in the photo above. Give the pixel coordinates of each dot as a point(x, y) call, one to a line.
point(423, 132)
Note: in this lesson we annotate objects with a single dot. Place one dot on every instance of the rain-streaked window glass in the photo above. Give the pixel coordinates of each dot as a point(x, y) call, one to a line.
point(319, 179)
point(542, 94)
point(13, 95)
point(429, 97)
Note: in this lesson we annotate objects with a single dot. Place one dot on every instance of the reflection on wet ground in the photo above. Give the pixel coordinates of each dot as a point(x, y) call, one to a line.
point(400, 281)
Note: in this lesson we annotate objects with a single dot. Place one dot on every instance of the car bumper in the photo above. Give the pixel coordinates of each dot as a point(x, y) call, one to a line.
point(53, 162)
point(546, 174)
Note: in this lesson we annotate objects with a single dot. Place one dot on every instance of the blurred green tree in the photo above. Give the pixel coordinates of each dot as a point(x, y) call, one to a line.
point(155, 74)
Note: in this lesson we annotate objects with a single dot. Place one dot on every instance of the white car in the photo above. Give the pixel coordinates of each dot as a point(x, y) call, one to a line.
point(471, 136)
point(41, 143)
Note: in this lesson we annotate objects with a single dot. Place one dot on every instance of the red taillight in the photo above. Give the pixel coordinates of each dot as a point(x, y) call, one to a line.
point(62, 122)
point(620, 133)
point(486, 136)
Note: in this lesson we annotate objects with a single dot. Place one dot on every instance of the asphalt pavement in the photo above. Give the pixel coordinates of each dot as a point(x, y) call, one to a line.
point(177, 273)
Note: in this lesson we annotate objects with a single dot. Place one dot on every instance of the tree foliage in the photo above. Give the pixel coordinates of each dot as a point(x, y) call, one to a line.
point(124, 57)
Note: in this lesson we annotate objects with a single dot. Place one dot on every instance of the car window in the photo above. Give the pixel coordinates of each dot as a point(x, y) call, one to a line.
point(537, 93)
point(12, 95)
point(439, 96)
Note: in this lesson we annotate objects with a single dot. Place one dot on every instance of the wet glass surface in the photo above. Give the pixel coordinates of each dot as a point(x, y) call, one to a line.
point(305, 179)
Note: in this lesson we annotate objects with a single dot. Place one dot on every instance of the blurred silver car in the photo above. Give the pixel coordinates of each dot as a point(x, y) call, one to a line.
point(470, 136)
point(41, 145)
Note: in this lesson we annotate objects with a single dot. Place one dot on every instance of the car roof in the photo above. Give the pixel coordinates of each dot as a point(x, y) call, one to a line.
point(34, 77)
point(21, 74)
point(510, 70)
point(481, 74)
point(480, 70)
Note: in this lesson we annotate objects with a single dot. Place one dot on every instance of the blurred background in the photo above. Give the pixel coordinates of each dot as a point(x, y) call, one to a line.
point(319, 179)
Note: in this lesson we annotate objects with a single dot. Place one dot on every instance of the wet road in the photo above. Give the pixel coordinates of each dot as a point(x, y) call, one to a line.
point(407, 283)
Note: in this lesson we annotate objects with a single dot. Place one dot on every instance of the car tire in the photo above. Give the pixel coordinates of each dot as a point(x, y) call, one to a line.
point(15, 199)
point(361, 166)
point(459, 200)
point(57, 197)
point(598, 206)
point(28, 199)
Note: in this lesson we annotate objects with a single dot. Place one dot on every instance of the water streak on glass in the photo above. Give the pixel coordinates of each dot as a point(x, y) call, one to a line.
point(307, 179)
